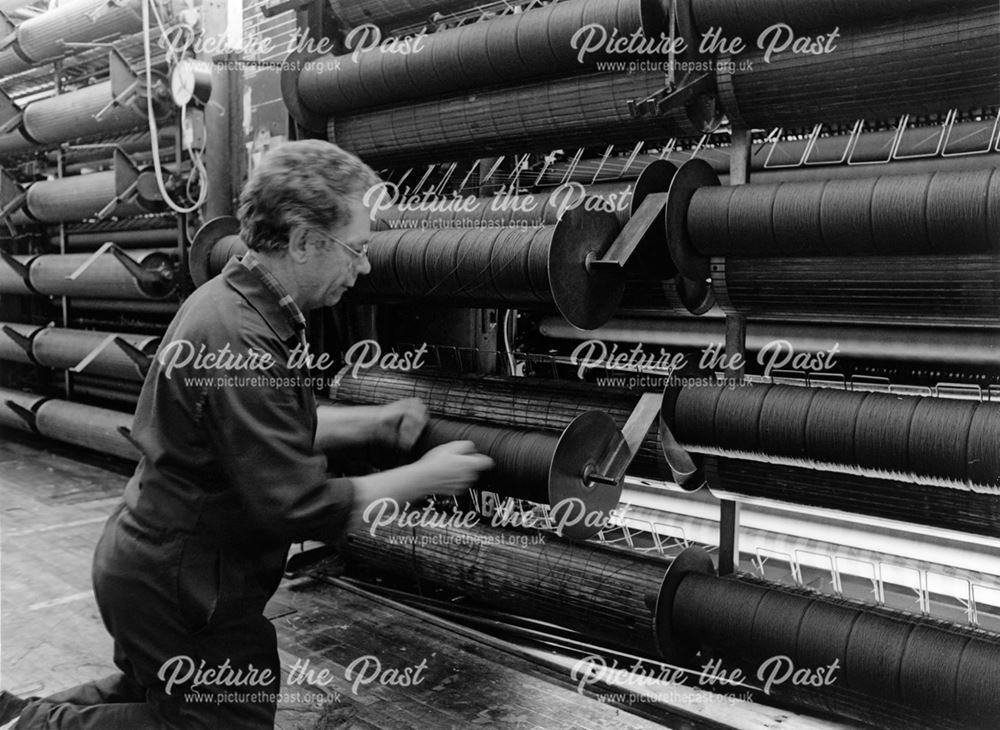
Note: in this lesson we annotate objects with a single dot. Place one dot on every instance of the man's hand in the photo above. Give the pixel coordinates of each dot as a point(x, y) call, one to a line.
point(401, 423)
point(453, 467)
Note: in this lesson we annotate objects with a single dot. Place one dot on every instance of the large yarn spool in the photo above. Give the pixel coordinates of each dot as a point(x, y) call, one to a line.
point(504, 401)
point(622, 199)
point(588, 109)
point(501, 51)
point(60, 348)
point(544, 467)
point(394, 13)
point(217, 241)
point(541, 208)
point(52, 34)
point(87, 426)
point(541, 268)
point(870, 74)
point(747, 21)
point(75, 198)
point(10, 349)
point(105, 277)
point(925, 290)
point(947, 213)
point(608, 596)
point(886, 498)
point(921, 439)
point(71, 115)
point(868, 653)
point(9, 418)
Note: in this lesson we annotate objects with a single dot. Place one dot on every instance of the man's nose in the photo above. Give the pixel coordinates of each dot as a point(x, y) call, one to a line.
point(365, 267)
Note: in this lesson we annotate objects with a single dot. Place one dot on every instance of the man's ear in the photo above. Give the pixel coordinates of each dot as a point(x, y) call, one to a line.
point(298, 245)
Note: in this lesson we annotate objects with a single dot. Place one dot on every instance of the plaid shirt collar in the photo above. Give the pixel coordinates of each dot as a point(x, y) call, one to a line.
point(296, 318)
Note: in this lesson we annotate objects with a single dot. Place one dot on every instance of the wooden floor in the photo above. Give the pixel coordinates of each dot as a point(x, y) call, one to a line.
point(53, 508)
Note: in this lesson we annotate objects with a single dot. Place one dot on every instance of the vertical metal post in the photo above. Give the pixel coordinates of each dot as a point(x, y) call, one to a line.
point(736, 348)
point(218, 125)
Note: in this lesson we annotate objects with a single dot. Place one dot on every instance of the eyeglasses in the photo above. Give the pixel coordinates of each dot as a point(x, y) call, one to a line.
point(362, 254)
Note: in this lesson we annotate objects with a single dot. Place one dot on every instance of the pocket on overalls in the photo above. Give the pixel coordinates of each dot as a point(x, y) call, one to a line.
point(199, 583)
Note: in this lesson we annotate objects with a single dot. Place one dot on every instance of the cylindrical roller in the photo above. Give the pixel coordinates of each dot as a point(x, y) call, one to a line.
point(582, 110)
point(887, 498)
point(59, 348)
point(543, 41)
point(147, 238)
point(948, 213)
point(547, 467)
point(605, 595)
point(12, 280)
point(394, 13)
point(93, 428)
point(939, 290)
point(921, 439)
point(870, 74)
point(71, 115)
point(104, 277)
point(17, 350)
point(514, 402)
point(747, 21)
point(75, 198)
point(858, 659)
point(8, 416)
point(541, 268)
point(51, 34)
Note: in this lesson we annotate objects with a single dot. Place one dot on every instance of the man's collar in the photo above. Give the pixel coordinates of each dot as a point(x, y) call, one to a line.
point(266, 295)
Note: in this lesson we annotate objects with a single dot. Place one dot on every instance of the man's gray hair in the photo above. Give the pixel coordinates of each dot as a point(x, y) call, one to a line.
point(307, 183)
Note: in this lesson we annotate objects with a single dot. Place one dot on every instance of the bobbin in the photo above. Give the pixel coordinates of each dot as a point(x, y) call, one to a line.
point(581, 468)
point(585, 294)
point(674, 647)
point(692, 175)
point(223, 231)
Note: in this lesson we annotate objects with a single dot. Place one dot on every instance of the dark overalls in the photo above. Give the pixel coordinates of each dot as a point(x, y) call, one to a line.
point(229, 478)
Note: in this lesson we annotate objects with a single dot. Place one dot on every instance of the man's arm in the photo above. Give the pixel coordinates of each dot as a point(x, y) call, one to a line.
point(395, 425)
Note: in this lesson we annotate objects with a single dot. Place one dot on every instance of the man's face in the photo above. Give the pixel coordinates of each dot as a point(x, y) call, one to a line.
point(332, 269)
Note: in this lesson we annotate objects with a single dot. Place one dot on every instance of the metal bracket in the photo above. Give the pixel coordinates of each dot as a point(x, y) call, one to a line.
point(20, 340)
point(124, 83)
point(12, 195)
point(619, 253)
point(18, 268)
point(92, 355)
point(126, 434)
point(611, 470)
point(10, 113)
point(138, 272)
point(24, 414)
point(126, 183)
point(141, 359)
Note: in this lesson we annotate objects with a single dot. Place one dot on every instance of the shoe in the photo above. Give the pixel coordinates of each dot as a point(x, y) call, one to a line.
point(11, 707)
